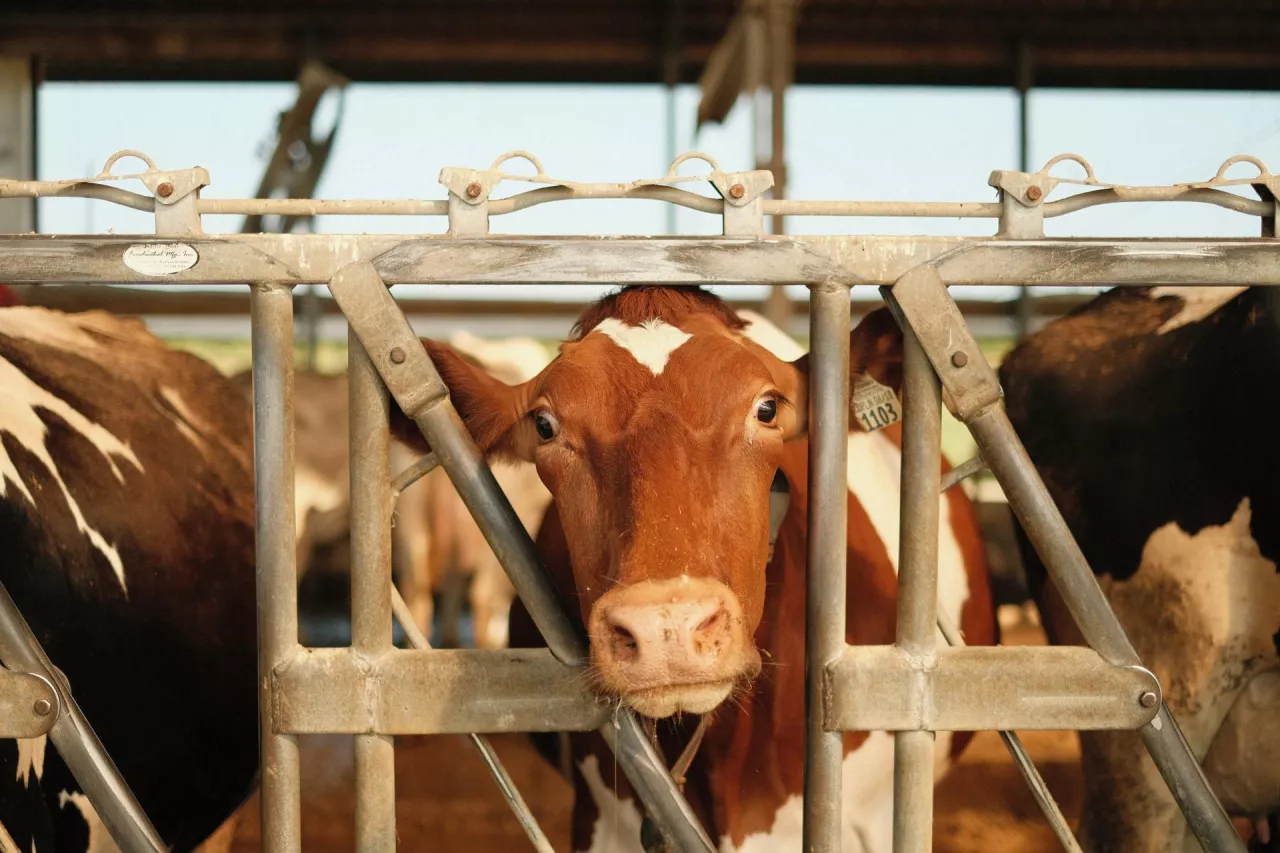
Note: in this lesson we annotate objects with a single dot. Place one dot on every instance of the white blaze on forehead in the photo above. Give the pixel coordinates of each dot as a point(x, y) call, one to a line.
point(31, 758)
point(875, 477)
point(651, 343)
point(19, 399)
point(617, 828)
point(1197, 303)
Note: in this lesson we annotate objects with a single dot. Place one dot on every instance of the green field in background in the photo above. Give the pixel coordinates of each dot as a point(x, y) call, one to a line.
point(233, 356)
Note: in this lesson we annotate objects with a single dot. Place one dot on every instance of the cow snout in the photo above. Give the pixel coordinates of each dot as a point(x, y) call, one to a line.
point(671, 646)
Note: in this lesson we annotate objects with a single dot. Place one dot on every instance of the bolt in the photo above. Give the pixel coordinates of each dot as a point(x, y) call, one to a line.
point(737, 190)
point(1034, 193)
point(959, 359)
point(164, 190)
point(474, 190)
point(397, 356)
point(1148, 699)
point(42, 707)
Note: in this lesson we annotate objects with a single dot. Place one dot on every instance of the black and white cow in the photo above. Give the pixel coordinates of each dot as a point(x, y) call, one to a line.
point(1153, 415)
point(126, 538)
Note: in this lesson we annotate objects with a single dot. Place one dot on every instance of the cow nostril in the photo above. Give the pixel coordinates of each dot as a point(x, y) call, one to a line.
point(710, 634)
point(624, 643)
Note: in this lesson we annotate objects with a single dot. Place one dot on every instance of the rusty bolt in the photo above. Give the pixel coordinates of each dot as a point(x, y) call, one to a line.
point(42, 707)
point(397, 355)
point(1034, 193)
point(474, 190)
point(959, 359)
point(1148, 699)
point(737, 190)
point(164, 190)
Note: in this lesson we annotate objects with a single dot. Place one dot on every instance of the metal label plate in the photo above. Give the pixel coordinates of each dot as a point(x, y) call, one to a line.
point(160, 258)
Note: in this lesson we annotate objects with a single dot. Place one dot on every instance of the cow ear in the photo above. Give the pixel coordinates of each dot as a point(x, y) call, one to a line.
point(493, 411)
point(875, 351)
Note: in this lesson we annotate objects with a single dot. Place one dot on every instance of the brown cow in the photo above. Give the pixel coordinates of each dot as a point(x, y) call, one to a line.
point(658, 430)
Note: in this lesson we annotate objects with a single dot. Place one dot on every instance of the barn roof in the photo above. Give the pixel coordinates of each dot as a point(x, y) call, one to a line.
point(1156, 43)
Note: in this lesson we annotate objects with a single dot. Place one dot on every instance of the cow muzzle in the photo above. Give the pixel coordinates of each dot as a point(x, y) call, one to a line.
point(671, 646)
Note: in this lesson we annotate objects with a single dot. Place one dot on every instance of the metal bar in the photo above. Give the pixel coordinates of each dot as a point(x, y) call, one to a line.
point(277, 571)
point(412, 379)
point(370, 414)
point(917, 587)
point(885, 688)
point(412, 474)
point(1039, 789)
point(1057, 548)
point(765, 259)
point(828, 557)
point(77, 744)
point(488, 754)
point(962, 472)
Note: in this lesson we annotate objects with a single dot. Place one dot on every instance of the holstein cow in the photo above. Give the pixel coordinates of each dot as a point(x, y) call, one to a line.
point(127, 531)
point(658, 430)
point(1152, 415)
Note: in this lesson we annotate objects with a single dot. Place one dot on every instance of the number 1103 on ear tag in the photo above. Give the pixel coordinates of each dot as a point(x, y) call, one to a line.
point(874, 406)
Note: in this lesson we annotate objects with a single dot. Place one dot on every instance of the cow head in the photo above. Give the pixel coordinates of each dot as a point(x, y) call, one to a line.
point(658, 430)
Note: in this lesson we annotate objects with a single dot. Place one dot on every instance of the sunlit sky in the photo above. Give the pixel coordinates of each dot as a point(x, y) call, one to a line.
point(848, 142)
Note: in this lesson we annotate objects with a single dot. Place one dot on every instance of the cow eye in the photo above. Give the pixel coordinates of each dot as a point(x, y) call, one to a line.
point(767, 410)
point(546, 424)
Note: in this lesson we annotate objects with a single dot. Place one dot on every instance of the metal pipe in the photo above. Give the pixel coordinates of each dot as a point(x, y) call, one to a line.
point(303, 207)
point(962, 472)
point(1201, 195)
point(277, 570)
point(828, 521)
point(77, 744)
point(370, 413)
point(941, 209)
point(420, 468)
point(917, 585)
point(1039, 790)
point(1048, 532)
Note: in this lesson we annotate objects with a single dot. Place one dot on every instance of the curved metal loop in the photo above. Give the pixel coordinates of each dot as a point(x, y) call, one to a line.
point(1090, 179)
point(672, 178)
point(540, 175)
point(105, 174)
point(1220, 179)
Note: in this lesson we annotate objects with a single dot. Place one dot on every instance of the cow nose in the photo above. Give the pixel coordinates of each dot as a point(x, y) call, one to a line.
point(685, 635)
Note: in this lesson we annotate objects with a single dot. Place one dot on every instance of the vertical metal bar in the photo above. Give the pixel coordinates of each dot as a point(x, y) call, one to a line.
point(1048, 532)
point(1025, 73)
point(277, 570)
point(828, 555)
point(917, 585)
point(370, 414)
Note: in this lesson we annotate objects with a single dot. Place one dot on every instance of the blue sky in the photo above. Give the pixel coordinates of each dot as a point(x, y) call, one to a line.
point(854, 142)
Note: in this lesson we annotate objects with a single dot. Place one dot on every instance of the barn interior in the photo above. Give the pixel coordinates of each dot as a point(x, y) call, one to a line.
point(924, 97)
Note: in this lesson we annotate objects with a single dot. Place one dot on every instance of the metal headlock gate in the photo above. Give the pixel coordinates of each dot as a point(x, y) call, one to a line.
point(375, 691)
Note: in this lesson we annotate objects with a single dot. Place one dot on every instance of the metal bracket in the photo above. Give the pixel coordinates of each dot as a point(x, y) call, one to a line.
point(920, 300)
point(742, 193)
point(29, 705)
point(1021, 198)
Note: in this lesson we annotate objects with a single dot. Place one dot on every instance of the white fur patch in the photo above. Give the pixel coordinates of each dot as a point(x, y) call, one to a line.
point(19, 399)
point(875, 477)
point(769, 336)
point(312, 492)
point(617, 827)
point(99, 839)
point(1197, 303)
point(651, 343)
point(31, 758)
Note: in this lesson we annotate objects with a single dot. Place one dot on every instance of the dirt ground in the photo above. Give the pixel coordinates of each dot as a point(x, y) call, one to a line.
point(447, 802)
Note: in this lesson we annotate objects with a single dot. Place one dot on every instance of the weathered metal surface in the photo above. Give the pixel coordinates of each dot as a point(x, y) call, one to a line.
point(972, 689)
point(19, 694)
point(828, 559)
point(917, 620)
point(277, 569)
point(72, 735)
point(433, 692)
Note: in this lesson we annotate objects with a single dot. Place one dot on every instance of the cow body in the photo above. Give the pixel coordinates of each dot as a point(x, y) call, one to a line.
point(1152, 416)
point(676, 468)
point(127, 523)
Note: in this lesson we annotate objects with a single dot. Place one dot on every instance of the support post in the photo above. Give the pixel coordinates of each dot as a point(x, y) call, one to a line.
point(277, 570)
point(371, 584)
point(829, 316)
point(917, 587)
point(781, 27)
point(17, 140)
point(1024, 75)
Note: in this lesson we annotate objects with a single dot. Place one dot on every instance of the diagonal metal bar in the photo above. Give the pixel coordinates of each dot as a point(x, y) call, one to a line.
point(415, 384)
point(77, 744)
point(920, 299)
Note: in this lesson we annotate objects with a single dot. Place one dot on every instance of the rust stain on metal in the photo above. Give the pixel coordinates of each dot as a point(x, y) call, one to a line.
point(1034, 193)
point(473, 190)
point(164, 190)
point(737, 191)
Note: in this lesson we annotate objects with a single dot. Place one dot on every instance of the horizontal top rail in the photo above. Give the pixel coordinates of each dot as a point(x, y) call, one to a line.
point(745, 191)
